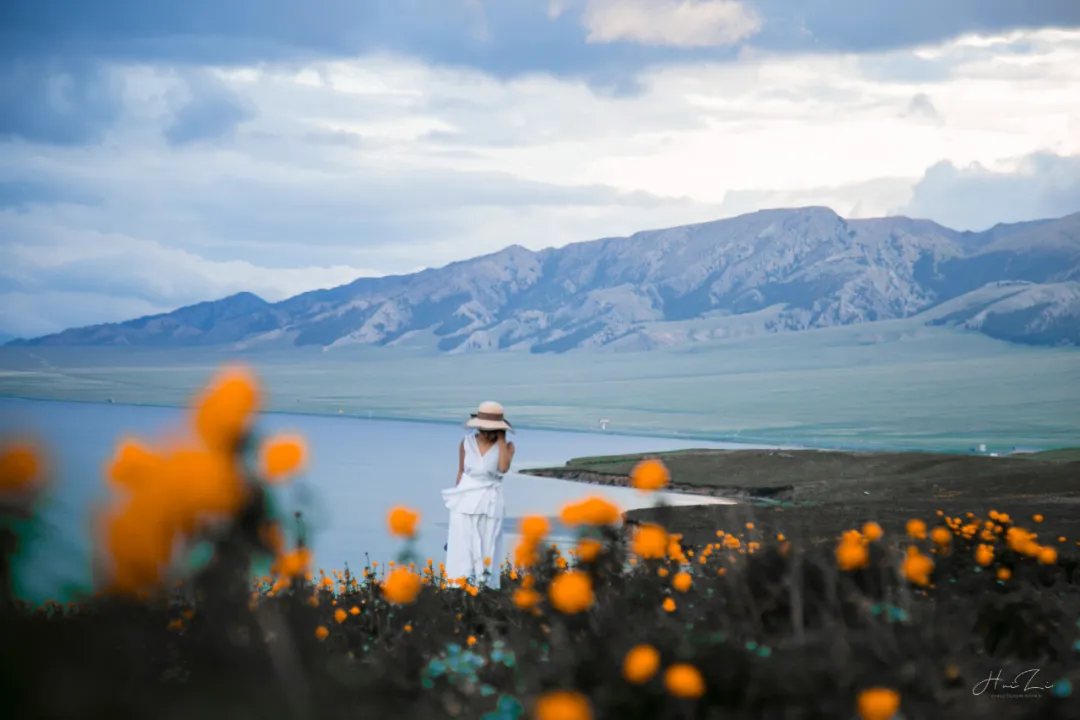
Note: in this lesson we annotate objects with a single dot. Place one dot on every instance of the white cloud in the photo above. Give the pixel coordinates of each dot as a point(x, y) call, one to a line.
point(383, 163)
point(678, 23)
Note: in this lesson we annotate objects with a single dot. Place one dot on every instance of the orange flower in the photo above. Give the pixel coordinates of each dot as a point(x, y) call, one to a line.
point(590, 511)
point(851, 554)
point(668, 605)
point(534, 527)
point(402, 522)
point(354, 610)
point(589, 549)
point(563, 705)
point(1037, 518)
point(1004, 573)
point(650, 541)
point(322, 633)
point(340, 616)
point(1048, 556)
point(401, 586)
point(682, 581)
point(132, 465)
point(684, 681)
point(525, 554)
point(640, 664)
point(526, 598)
point(941, 536)
point(283, 456)
point(224, 413)
point(650, 474)
point(878, 704)
point(917, 529)
point(872, 531)
point(571, 592)
point(984, 555)
point(917, 567)
point(471, 641)
point(295, 563)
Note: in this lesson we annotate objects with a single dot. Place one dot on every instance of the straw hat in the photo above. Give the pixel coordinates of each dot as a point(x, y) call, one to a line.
point(489, 416)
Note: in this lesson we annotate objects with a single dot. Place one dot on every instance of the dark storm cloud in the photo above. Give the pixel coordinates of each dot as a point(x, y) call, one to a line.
point(502, 38)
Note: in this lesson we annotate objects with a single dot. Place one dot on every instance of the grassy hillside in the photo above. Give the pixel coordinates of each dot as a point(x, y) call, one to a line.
point(892, 384)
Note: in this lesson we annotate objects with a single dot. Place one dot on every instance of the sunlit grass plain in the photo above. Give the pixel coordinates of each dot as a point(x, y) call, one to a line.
point(889, 384)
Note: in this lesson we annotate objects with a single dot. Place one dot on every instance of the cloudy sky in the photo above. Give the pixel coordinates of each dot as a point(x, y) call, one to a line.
point(155, 154)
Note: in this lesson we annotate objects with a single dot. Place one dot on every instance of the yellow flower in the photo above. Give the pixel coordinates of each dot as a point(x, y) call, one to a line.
point(650, 474)
point(684, 681)
point(640, 664)
point(571, 592)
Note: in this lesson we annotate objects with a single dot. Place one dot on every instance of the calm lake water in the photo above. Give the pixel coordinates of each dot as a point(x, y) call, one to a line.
point(358, 469)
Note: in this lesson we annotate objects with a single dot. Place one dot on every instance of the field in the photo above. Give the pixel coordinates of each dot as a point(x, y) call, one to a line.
point(844, 594)
point(816, 495)
point(894, 384)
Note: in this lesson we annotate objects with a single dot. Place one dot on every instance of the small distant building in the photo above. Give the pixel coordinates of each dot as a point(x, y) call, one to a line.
point(604, 423)
point(982, 447)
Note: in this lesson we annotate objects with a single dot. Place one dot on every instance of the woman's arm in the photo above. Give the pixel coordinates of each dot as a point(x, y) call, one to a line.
point(506, 452)
point(460, 463)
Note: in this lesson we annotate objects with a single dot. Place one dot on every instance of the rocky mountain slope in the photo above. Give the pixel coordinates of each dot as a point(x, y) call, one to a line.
point(769, 271)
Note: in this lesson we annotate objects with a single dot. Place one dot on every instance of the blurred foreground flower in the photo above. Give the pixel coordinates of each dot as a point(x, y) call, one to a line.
point(402, 586)
point(22, 476)
point(640, 664)
point(167, 496)
point(563, 705)
point(878, 704)
point(402, 522)
point(591, 511)
point(283, 456)
point(649, 475)
point(571, 592)
point(650, 541)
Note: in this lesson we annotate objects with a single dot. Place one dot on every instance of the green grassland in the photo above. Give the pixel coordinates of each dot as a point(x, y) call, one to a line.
point(896, 384)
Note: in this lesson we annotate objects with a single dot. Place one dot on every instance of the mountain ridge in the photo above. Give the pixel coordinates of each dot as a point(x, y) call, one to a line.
point(776, 270)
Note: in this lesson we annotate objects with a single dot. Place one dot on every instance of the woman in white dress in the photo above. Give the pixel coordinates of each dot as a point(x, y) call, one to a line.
point(474, 546)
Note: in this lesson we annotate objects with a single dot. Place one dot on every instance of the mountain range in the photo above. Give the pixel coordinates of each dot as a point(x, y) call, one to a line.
point(768, 271)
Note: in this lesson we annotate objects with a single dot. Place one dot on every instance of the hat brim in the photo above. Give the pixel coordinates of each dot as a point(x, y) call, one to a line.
point(475, 422)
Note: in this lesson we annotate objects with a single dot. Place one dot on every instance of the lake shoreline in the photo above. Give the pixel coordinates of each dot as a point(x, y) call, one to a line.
point(815, 495)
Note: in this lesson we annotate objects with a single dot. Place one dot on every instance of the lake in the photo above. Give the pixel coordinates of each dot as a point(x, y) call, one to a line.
point(358, 469)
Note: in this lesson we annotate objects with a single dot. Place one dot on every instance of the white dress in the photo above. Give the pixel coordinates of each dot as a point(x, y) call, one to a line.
point(476, 518)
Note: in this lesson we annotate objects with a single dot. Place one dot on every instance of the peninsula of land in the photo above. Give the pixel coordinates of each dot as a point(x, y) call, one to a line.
point(815, 495)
